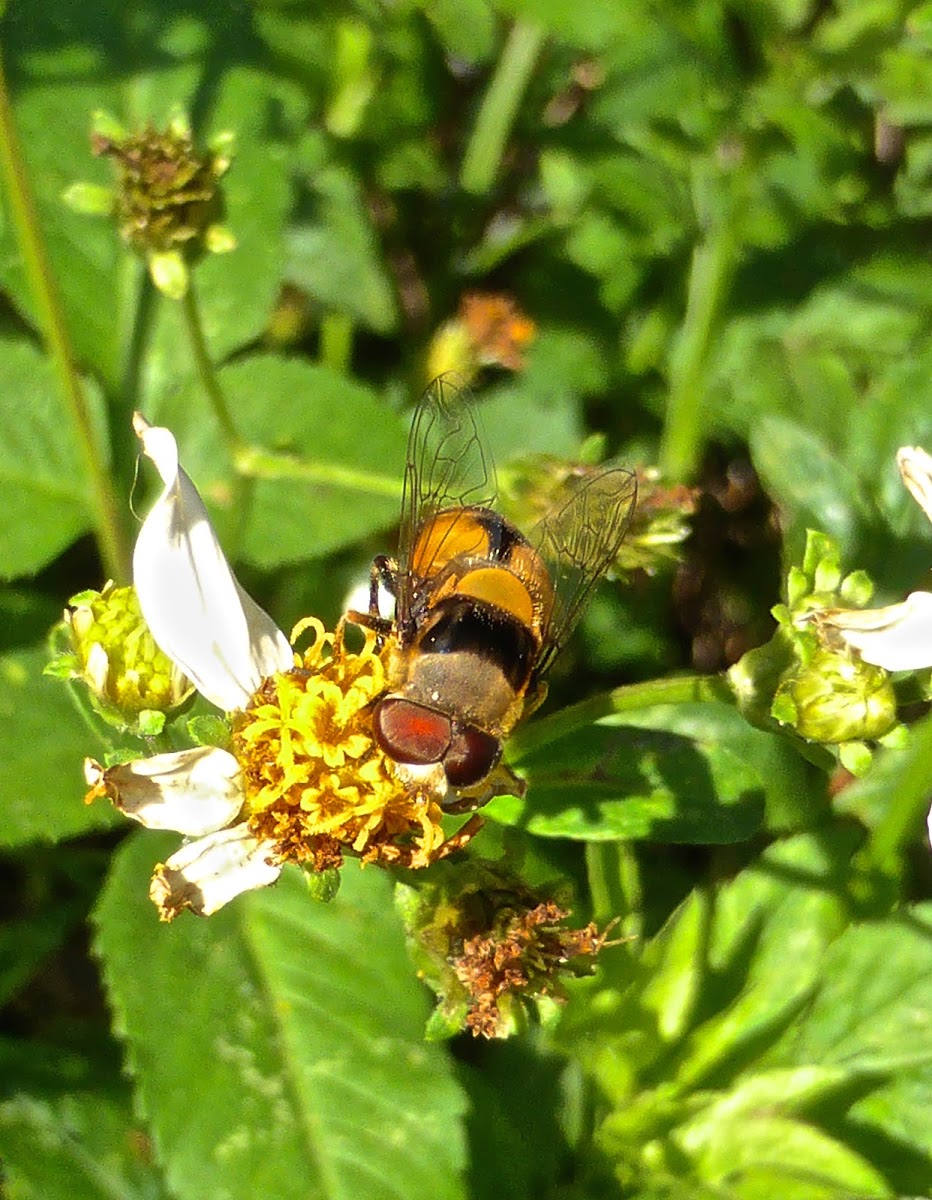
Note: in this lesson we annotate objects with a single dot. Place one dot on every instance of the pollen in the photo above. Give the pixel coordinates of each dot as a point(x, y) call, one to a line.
point(316, 783)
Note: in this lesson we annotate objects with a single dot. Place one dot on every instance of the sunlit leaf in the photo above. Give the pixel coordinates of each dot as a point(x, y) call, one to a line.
point(43, 477)
point(609, 781)
point(43, 742)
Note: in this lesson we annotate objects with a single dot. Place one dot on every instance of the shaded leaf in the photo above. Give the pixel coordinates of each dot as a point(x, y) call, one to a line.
point(808, 481)
point(75, 1146)
point(337, 257)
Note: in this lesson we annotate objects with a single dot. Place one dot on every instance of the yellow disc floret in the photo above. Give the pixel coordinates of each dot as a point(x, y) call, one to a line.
point(315, 781)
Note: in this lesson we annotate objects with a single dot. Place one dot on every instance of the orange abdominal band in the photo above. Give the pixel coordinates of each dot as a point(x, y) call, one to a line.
point(449, 534)
point(495, 585)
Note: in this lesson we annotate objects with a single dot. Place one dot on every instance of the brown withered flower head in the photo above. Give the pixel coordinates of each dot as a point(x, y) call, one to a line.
point(524, 955)
point(167, 191)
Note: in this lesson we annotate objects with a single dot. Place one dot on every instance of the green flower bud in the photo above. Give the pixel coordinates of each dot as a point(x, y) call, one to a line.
point(834, 698)
point(115, 655)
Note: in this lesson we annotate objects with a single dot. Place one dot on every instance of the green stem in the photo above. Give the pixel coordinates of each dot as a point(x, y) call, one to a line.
point(109, 530)
point(676, 689)
point(709, 280)
point(207, 374)
point(256, 463)
point(499, 106)
point(336, 341)
point(615, 885)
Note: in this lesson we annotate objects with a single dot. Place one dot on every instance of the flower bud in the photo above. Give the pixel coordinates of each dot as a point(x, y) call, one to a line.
point(116, 656)
point(167, 196)
point(834, 698)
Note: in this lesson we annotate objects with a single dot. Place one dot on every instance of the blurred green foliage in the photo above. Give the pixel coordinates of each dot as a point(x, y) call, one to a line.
point(717, 217)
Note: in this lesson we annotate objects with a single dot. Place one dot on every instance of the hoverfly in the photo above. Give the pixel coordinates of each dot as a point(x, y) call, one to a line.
point(481, 610)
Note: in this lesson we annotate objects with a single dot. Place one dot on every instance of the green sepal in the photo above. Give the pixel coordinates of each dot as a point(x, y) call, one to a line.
point(209, 730)
point(150, 722)
point(855, 757)
point(323, 885)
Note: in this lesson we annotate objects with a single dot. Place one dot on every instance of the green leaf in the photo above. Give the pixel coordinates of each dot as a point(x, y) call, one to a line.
point(237, 291)
point(790, 788)
point(609, 782)
point(43, 742)
point(869, 1020)
point(754, 989)
point(75, 1146)
point(893, 797)
point(295, 1065)
point(760, 1155)
point(336, 258)
point(808, 481)
point(893, 1119)
point(42, 477)
point(85, 252)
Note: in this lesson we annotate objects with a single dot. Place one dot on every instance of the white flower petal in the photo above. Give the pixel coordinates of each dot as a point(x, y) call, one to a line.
point(357, 600)
point(193, 792)
point(916, 470)
point(198, 613)
point(898, 637)
point(208, 873)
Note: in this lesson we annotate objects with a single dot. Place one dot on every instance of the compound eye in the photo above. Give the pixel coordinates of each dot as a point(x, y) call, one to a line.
point(471, 756)
point(409, 732)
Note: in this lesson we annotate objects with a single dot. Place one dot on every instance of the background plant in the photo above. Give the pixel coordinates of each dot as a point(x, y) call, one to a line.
point(717, 217)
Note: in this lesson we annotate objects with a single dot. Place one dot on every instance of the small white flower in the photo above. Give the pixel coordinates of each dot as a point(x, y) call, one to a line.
point(220, 638)
point(304, 780)
point(899, 636)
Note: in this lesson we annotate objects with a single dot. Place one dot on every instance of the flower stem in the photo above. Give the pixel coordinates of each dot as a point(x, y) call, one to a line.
point(709, 280)
point(256, 463)
point(206, 372)
point(499, 106)
point(109, 530)
point(676, 689)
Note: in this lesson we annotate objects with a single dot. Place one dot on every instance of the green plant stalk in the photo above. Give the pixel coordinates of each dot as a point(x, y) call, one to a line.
point(336, 341)
point(615, 885)
point(256, 463)
point(676, 689)
point(207, 374)
point(499, 106)
point(109, 530)
point(709, 281)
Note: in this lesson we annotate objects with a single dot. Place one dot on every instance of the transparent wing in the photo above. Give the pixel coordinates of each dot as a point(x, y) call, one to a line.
point(449, 466)
point(579, 542)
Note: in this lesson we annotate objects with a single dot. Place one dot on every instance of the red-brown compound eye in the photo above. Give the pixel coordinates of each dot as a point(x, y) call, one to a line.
point(409, 732)
point(471, 756)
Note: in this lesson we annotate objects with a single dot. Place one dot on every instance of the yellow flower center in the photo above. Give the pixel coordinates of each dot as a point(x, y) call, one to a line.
point(315, 781)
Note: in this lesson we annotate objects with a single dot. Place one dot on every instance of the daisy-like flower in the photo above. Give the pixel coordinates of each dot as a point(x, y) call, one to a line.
point(897, 637)
point(302, 779)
